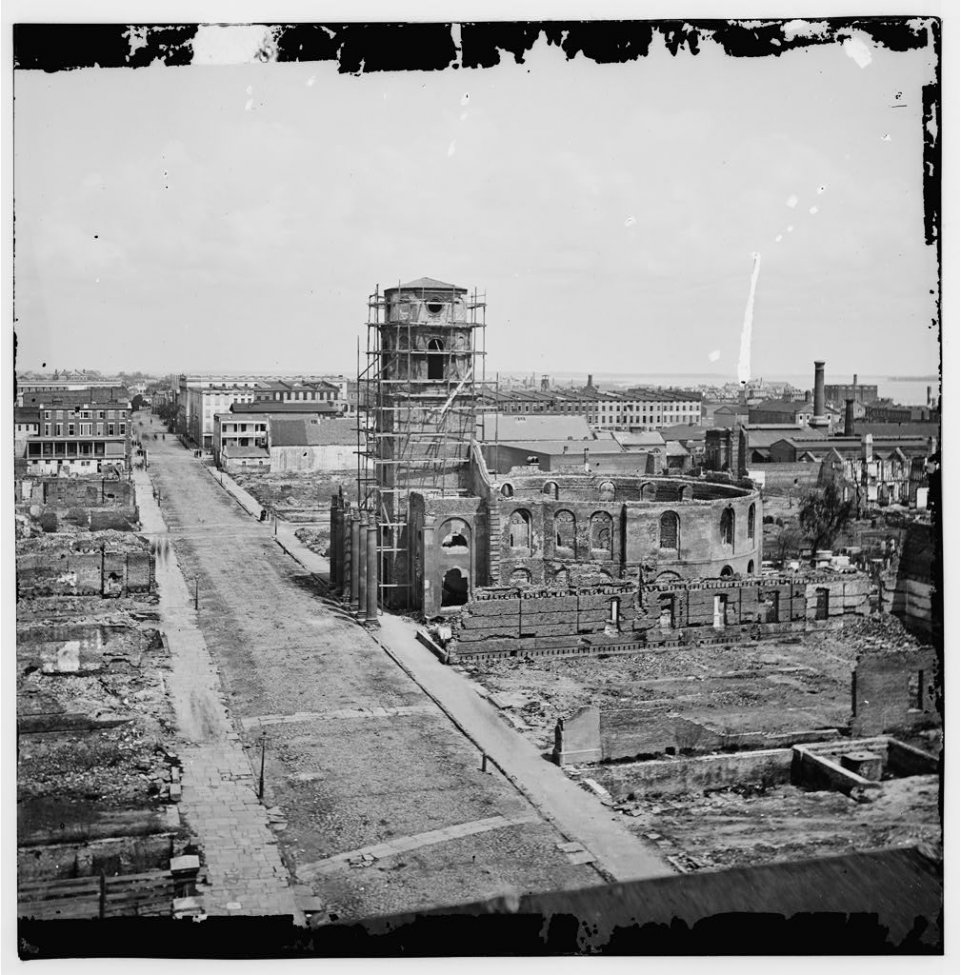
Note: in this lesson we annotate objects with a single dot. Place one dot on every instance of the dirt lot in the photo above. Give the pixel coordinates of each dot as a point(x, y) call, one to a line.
point(771, 686)
point(301, 498)
point(739, 828)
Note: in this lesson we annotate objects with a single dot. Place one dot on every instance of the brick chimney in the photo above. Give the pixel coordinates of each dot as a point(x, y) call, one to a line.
point(820, 418)
point(849, 417)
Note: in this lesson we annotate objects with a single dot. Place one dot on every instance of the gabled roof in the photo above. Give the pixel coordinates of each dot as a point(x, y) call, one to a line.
point(303, 431)
point(640, 438)
point(573, 448)
point(683, 431)
point(783, 406)
point(535, 426)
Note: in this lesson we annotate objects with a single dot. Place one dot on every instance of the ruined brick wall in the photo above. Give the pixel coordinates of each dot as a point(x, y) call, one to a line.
point(92, 504)
point(893, 692)
point(85, 573)
point(624, 616)
point(573, 530)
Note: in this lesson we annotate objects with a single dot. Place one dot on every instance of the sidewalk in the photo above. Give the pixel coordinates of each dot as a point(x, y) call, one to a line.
point(244, 870)
point(574, 812)
point(283, 530)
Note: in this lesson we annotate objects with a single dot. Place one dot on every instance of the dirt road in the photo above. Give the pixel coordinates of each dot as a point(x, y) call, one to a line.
point(357, 756)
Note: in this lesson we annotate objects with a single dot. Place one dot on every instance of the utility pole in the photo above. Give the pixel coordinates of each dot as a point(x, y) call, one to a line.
point(263, 752)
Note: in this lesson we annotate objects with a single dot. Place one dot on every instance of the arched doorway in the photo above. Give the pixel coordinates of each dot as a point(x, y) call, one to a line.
point(454, 588)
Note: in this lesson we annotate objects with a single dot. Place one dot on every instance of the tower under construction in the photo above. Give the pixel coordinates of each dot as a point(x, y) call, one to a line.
point(417, 412)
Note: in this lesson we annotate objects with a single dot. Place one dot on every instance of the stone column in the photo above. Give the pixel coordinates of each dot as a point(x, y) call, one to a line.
point(372, 571)
point(334, 541)
point(361, 608)
point(430, 599)
point(354, 558)
point(345, 573)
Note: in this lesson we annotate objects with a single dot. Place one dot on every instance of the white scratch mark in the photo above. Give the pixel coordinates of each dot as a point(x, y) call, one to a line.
point(779, 238)
point(857, 51)
point(790, 228)
point(630, 221)
point(451, 148)
point(311, 81)
point(250, 89)
point(249, 106)
point(813, 210)
point(744, 359)
point(714, 356)
point(465, 98)
point(792, 200)
point(821, 189)
point(885, 137)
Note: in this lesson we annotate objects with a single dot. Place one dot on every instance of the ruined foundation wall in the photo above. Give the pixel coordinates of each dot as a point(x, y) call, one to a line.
point(895, 691)
point(622, 616)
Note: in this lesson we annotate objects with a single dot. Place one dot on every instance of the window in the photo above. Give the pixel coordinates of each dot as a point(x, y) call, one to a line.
point(602, 535)
point(669, 530)
point(123, 427)
point(607, 491)
point(727, 527)
point(435, 359)
point(520, 531)
point(454, 588)
point(520, 577)
point(750, 522)
point(565, 534)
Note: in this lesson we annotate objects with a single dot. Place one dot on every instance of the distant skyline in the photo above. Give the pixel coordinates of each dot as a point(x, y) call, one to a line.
point(236, 217)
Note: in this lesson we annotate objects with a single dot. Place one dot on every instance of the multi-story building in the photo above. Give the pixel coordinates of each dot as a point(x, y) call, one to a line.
point(837, 393)
point(295, 391)
point(79, 438)
point(203, 403)
point(797, 412)
point(240, 441)
point(644, 409)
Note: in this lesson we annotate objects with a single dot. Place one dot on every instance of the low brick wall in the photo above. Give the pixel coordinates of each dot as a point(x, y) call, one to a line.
point(671, 777)
point(84, 574)
point(624, 616)
point(895, 691)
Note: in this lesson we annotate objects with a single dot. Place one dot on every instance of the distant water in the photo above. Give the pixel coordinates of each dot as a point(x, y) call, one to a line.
point(909, 391)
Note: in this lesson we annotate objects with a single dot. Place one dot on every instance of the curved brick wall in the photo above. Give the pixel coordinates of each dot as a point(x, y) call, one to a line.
point(634, 528)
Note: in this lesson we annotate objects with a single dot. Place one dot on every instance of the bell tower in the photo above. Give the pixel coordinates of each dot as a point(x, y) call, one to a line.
point(418, 402)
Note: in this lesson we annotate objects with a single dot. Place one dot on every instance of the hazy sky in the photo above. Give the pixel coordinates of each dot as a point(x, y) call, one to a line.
point(237, 217)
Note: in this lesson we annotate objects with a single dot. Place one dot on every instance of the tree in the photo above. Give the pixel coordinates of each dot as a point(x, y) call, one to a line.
point(824, 515)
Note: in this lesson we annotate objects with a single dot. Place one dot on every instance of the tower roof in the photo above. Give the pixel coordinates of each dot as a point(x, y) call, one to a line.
point(428, 284)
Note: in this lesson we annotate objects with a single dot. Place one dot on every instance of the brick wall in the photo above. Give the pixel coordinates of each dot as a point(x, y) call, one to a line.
point(83, 574)
point(895, 691)
point(623, 615)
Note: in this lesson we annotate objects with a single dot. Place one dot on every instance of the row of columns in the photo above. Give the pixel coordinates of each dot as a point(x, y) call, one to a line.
point(353, 558)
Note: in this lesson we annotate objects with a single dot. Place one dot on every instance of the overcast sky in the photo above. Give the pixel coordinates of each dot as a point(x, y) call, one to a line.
point(237, 217)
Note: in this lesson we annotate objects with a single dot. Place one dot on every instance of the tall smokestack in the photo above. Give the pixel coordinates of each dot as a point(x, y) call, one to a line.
point(929, 395)
point(819, 419)
point(849, 417)
point(590, 381)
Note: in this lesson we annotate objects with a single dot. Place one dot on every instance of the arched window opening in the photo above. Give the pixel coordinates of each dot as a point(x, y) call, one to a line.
point(562, 579)
point(669, 530)
point(455, 542)
point(435, 307)
point(727, 527)
point(520, 577)
point(750, 522)
point(507, 490)
point(648, 492)
point(435, 359)
point(550, 489)
point(685, 493)
point(602, 535)
point(606, 491)
point(750, 567)
point(565, 534)
point(666, 608)
point(520, 531)
point(454, 589)
point(727, 572)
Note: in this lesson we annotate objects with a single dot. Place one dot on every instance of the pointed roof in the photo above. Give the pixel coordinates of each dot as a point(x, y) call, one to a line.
point(428, 284)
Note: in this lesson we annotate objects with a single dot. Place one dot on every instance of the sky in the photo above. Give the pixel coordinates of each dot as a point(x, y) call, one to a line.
point(236, 217)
